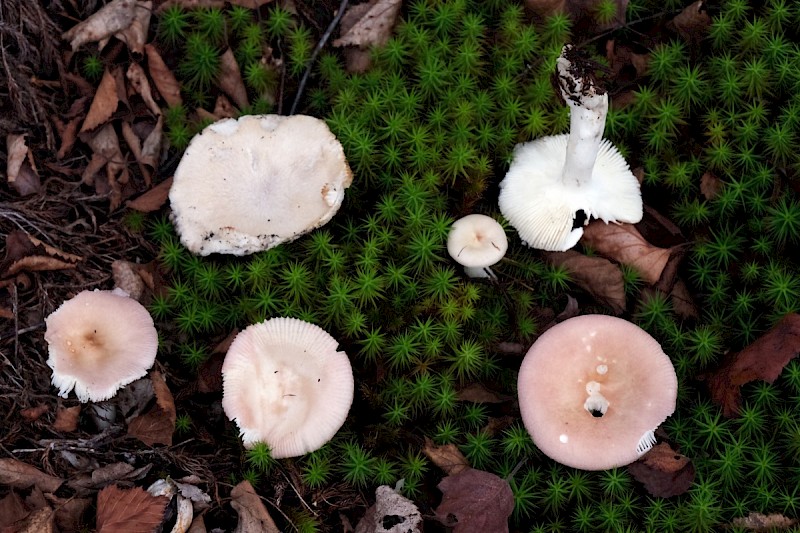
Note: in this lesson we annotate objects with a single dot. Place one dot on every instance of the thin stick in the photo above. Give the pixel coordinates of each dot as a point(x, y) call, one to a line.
point(317, 50)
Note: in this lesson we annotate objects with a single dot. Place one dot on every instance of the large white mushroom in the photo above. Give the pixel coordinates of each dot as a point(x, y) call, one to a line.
point(99, 341)
point(250, 184)
point(286, 384)
point(553, 178)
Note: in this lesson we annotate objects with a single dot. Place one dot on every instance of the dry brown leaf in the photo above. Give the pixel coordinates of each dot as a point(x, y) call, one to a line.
point(710, 186)
point(157, 425)
point(663, 471)
point(369, 24)
point(69, 511)
point(447, 457)
point(152, 200)
point(129, 510)
point(223, 108)
point(761, 522)
point(692, 23)
point(141, 85)
point(477, 393)
point(21, 171)
point(108, 20)
point(682, 301)
point(165, 80)
point(230, 79)
point(198, 525)
point(32, 414)
point(764, 359)
point(107, 154)
point(21, 476)
point(37, 264)
point(624, 244)
point(596, 275)
point(105, 102)
point(12, 509)
point(67, 419)
point(39, 521)
point(474, 501)
point(253, 516)
point(127, 279)
point(135, 34)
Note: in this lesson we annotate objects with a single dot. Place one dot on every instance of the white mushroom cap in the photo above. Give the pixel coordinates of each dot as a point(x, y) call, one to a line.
point(542, 207)
point(600, 364)
point(477, 241)
point(285, 384)
point(250, 184)
point(99, 341)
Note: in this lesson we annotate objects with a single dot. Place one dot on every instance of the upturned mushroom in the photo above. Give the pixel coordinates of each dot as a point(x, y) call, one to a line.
point(250, 184)
point(552, 179)
point(99, 341)
point(477, 242)
point(286, 384)
point(593, 389)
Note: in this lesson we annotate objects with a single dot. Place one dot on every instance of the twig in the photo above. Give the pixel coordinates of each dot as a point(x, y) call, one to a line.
point(317, 50)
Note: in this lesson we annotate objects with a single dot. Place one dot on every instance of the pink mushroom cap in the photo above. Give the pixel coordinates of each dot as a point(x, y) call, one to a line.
point(99, 341)
point(592, 390)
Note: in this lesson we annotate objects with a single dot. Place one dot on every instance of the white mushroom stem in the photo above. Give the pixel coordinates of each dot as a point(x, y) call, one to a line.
point(480, 272)
point(587, 120)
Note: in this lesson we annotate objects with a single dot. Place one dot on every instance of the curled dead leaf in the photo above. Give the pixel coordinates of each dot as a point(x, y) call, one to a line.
point(104, 103)
point(762, 522)
point(152, 200)
point(764, 359)
point(253, 516)
point(162, 76)
point(596, 275)
point(692, 23)
point(230, 79)
point(21, 172)
point(19, 475)
point(624, 244)
point(67, 419)
point(447, 457)
point(663, 471)
point(157, 425)
point(108, 20)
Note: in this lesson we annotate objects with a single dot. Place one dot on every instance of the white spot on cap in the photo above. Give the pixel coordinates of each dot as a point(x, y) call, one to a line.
point(563, 438)
point(602, 369)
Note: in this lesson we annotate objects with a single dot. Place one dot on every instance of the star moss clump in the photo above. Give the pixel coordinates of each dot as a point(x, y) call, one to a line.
point(428, 131)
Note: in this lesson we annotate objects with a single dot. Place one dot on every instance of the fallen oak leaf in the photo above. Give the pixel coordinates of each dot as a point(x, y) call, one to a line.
point(663, 471)
point(474, 501)
point(624, 244)
point(230, 79)
point(129, 510)
point(152, 200)
point(764, 359)
point(692, 23)
point(135, 34)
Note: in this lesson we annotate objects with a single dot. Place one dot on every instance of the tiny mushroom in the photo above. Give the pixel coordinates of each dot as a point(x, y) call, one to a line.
point(593, 389)
point(99, 341)
point(286, 385)
point(477, 242)
point(552, 179)
point(250, 184)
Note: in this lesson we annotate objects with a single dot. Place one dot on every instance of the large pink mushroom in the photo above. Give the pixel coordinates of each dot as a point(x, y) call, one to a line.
point(593, 389)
